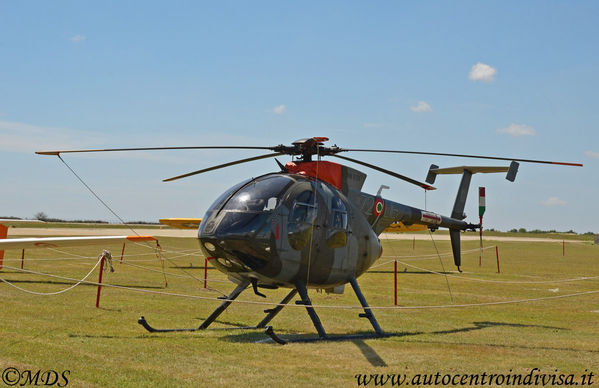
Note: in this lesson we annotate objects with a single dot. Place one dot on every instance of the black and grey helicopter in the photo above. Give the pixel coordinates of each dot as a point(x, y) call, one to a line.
point(309, 225)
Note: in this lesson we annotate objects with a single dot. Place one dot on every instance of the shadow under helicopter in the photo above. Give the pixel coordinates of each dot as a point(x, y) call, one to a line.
point(376, 360)
point(367, 351)
point(259, 336)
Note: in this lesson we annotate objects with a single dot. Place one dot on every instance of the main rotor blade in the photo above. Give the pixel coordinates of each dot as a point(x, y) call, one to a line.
point(465, 156)
point(223, 165)
point(405, 178)
point(58, 152)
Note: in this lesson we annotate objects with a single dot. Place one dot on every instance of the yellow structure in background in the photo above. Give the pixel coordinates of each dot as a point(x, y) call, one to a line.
point(194, 223)
point(401, 228)
point(182, 223)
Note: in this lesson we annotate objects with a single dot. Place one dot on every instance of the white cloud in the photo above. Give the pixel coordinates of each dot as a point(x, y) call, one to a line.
point(373, 125)
point(77, 38)
point(421, 107)
point(553, 201)
point(279, 109)
point(517, 130)
point(482, 72)
point(592, 154)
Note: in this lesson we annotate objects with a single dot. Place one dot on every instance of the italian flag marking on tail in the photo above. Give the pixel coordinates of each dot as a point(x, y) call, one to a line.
point(482, 202)
point(379, 206)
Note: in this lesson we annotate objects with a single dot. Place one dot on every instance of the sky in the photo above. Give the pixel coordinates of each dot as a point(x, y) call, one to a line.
point(500, 78)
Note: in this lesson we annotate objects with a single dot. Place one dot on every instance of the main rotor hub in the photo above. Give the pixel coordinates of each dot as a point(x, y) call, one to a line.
point(308, 147)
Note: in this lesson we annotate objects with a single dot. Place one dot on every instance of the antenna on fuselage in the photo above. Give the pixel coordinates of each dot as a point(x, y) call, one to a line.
point(378, 193)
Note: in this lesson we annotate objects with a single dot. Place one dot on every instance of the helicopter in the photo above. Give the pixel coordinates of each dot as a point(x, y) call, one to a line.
point(309, 225)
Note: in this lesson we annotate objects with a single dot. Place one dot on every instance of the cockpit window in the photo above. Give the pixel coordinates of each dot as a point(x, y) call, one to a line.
point(260, 195)
point(243, 203)
point(301, 220)
point(337, 235)
point(218, 203)
point(304, 208)
point(338, 214)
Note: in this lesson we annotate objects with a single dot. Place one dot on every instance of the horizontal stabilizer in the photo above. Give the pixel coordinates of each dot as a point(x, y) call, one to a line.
point(472, 169)
point(434, 170)
point(511, 174)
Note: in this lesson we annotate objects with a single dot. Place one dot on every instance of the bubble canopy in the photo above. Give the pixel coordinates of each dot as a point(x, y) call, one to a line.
point(246, 204)
point(262, 194)
point(238, 230)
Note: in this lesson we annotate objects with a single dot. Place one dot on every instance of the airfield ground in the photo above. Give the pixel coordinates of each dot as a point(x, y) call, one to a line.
point(163, 231)
point(541, 311)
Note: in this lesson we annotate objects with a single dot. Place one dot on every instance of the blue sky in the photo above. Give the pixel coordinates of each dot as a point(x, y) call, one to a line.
point(515, 79)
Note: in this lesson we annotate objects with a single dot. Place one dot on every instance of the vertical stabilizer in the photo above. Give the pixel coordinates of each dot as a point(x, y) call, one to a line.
point(454, 235)
point(460, 199)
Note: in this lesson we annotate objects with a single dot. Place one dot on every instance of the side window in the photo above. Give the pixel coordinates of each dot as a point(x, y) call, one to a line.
point(337, 236)
point(301, 220)
point(339, 214)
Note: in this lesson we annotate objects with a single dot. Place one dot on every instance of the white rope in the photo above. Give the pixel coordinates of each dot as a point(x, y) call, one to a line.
point(498, 303)
point(52, 259)
point(502, 281)
point(319, 306)
point(128, 261)
point(434, 256)
point(173, 250)
point(61, 291)
point(88, 258)
point(174, 274)
point(69, 253)
point(85, 259)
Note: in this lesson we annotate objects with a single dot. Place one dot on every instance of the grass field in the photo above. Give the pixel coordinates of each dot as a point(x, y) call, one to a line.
point(106, 347)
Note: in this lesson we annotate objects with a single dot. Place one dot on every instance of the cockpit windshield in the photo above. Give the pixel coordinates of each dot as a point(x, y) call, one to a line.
point(262, 194)
point(245, 207)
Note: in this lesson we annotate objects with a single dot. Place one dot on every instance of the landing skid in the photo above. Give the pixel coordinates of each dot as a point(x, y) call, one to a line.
point(238, 290)
point(322, 335)
point(271, 313)
point(142, 321)
point(349, 337)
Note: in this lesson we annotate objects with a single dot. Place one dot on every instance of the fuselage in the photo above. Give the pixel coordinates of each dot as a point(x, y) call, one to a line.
point(281, 228)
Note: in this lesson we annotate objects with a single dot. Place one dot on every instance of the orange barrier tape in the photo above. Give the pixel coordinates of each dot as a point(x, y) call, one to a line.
point(141, 238)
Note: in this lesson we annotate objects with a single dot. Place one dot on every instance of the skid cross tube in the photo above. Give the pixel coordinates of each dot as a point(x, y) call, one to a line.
point(274, 311)
point(301, 288)
point(238, 290)
point(271, 313)
point(322, 336)
point(367, 311)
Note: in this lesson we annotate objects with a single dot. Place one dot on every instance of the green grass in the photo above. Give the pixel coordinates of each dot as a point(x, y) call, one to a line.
point(106, 347)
